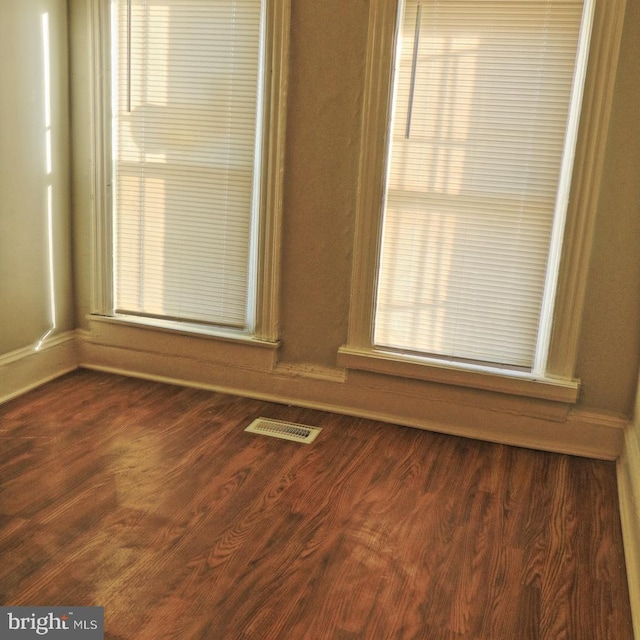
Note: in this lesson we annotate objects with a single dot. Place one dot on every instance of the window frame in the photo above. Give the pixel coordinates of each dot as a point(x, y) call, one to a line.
point(557, 383)
point(265, 325)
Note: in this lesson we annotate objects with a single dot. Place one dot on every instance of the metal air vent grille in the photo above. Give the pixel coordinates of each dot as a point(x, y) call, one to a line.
point(285, 430)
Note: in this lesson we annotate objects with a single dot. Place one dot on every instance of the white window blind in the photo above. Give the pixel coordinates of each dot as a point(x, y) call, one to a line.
point(478, 153)
point(186, 157)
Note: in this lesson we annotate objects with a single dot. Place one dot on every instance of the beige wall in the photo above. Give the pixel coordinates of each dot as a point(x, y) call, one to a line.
point(609, 348)
point(327, 61)
point(25, 291)
point(326, 84)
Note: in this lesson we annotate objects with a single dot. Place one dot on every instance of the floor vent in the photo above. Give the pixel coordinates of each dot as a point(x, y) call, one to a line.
point(284, 430)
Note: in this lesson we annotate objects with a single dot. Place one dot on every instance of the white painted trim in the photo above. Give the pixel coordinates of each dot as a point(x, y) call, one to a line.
point(27, 368)
point(249, 372)
point(190, 352)
point(489, 379)
point(99, 17)
point(275, 118)
point(381, 48)
point(269, 242)
point(584, 194)
point(547, 316)
point(185, 329)
point(597, 101)
point(628, 468)
point(243, 370)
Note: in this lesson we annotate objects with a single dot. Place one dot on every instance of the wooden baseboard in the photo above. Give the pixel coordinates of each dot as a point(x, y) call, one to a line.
point(481, 415)
point(24, 369)
point(629, 495)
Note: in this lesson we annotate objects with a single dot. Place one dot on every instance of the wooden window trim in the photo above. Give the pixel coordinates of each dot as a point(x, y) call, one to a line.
point(266, 323)
point(359, 352)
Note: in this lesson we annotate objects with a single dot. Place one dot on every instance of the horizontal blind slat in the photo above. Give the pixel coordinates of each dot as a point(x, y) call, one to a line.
point(186, 113)
point(480, 114)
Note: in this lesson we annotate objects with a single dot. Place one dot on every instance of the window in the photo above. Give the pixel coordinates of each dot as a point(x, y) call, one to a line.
point(482, 113)
point(464, 228)
point(192, 135)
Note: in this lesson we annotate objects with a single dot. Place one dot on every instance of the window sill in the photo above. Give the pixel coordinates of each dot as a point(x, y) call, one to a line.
point(187, 329)
point(473, 376)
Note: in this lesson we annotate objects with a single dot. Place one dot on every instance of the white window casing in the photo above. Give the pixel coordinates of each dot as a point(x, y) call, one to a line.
point(189, 148)
point(479, 98)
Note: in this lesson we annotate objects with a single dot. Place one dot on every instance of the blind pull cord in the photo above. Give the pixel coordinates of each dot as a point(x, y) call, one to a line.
point(414, 67)
point(128, 56)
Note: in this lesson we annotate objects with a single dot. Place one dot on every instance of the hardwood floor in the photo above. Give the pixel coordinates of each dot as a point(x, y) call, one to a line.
point(151, 500)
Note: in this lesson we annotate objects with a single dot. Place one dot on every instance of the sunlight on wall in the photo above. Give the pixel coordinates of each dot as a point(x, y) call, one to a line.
point(46, 48)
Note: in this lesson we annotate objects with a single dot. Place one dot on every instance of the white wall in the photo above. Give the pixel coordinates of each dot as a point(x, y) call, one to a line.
point(34, 184)
point(36, 293)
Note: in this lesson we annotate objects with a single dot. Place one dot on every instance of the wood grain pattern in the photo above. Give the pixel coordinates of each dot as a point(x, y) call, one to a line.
point(151, 500)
